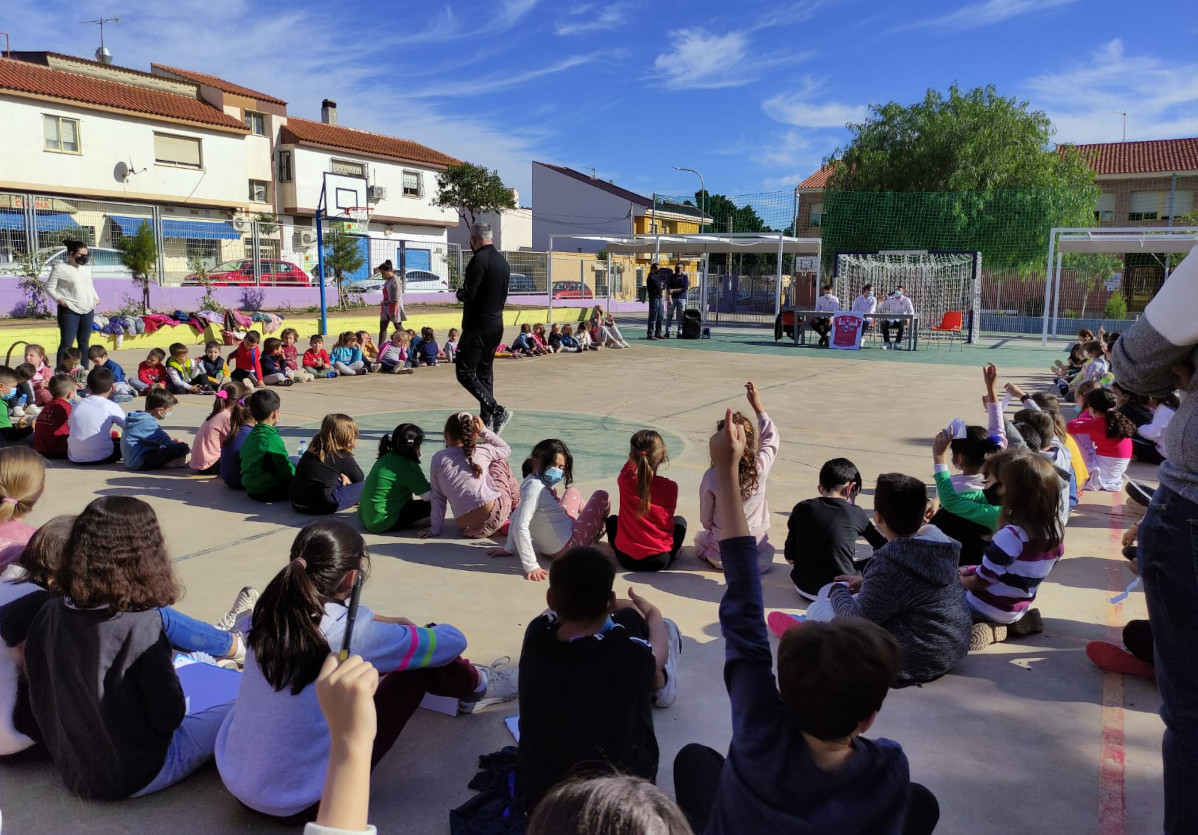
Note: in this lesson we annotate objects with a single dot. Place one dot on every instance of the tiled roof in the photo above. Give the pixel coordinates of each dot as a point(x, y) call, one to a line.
point(218, 82)
point(1153, 156)
point(817, 180)
point(301, 131)
point(22, 77)
point(602, 185)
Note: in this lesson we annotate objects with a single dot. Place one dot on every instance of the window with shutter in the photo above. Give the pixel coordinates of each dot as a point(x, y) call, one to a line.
point(411, 184)
point(1104, 209)
point(258, 191)
point(284, 166)
point(348, 167)
point(178, 151)
point(60, 134)
point(817, 216)
point(1182, 200)
point(1145, 205)
point(256, 122)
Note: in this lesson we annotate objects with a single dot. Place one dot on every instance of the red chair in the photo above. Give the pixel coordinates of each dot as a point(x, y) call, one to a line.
point(951, 327)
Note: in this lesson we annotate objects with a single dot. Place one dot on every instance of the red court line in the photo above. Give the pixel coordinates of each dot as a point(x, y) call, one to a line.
point(1111, 798)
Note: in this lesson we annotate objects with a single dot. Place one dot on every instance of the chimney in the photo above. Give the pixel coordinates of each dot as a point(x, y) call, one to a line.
point(328, 112)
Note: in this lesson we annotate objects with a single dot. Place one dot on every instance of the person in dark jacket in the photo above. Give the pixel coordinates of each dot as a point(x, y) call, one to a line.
point(911, 588)
point(483, 294)
point(654, 284)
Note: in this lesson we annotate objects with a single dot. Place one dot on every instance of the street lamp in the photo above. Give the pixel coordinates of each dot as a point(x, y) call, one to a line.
point(702, 194)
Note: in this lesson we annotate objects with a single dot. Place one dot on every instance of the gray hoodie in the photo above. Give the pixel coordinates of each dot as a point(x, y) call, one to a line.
point(912, 589)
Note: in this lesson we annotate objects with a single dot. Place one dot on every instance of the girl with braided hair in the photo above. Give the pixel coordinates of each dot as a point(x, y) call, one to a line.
point(472, 477)
point(761, 450)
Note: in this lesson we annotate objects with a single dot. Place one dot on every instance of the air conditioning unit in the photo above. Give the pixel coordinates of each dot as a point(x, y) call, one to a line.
point(241, 225)
point(376, 193)
point(307, 237)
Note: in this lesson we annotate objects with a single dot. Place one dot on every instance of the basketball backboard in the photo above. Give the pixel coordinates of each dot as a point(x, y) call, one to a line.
point(342, 193)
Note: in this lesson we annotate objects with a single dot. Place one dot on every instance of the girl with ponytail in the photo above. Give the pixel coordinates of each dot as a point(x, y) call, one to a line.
point(395, 493)
point(273, 747)
point(22, 482)
point(646, 535)
point(1104, 434)
point(210, 437)
point(473, 478)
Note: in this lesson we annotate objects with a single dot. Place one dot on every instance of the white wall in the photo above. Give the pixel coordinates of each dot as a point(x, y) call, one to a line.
point(108, 138)
point(512, 230)
point(565, 206)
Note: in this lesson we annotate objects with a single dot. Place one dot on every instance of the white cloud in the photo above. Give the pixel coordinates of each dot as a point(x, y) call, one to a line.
point(501, 81)
point(800, 108)
point(984, 14)
point(703, 60)
point(1159, 96)
point(608, 17)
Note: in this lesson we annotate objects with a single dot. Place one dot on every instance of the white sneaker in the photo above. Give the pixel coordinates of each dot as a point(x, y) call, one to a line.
point(18, 411)
point(33, 411)
point(502, 685)
point(669, 691)
point(885, 346)
point(244, 602)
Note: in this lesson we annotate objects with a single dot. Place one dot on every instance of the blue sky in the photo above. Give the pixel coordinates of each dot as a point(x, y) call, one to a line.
point(754, 93)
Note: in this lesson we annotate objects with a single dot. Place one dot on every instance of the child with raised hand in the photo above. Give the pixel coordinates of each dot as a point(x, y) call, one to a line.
point(273, 748)
point(206, 448)
point(646, 535)
point(346, 356)
point(327, 478)
point(822, 533)
point(35, 355)
point(274, 364)
point(241, 423)
point(542, 525)
point(22, 482)
point(183, 375)
point(1026, 546)
point(93, 421)
point(591, 669)
point(213, 365)
point(762, 442)
point(1110, 446)
point(823, 776)
point(246, 361)
point(51, 430)
point(317, 361)
point(122, 388)
point(145, 445)
point(471, 477)
point(151, 372)
point(289, 337)
point(394, 494)
point(266, 469)
point(101, 664)
point(72, 366)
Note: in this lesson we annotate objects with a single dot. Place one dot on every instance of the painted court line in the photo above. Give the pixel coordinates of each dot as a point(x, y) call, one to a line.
point(215, 548)
point(1111, 797)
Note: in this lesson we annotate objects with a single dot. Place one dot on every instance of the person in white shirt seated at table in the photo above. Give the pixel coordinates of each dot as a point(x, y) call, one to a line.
point(865, 304)
point(897, 303)
point(827, 303)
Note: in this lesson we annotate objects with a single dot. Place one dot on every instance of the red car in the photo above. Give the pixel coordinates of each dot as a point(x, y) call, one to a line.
point(240, 272)
point(572, 290)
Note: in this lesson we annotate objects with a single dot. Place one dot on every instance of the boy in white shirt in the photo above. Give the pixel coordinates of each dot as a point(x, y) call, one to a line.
point(92, 421)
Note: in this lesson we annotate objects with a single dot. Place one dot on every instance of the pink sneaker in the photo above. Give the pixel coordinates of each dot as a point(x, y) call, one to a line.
point(780, 622)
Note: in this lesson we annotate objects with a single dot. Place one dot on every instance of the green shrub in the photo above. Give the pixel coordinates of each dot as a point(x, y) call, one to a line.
point(1116, 307)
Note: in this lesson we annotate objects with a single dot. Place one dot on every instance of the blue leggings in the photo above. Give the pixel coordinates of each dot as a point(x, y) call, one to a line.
point(188, 634)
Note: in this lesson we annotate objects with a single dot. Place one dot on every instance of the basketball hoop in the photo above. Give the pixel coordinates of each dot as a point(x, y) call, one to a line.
point(357, 220)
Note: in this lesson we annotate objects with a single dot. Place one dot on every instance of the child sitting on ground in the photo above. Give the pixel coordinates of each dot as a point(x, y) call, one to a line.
point(72, 366)
point(646, 535)
point(246, 361)
point(585, 342)
point(145, 445)
point(9, 433)
point(290, 337)
point(206, 448)
point(394, 494)
point(241, 423)
point(183, 375)
point(428, 348)
point(911, 588)
point(822, 533)
point(370, 352)
point(346, 356)
point(524, 345)
point(151, 372)
point(762, 443)
point(21, 393)
point(1149, 443)
point(51, 430)
point(473, 478)
point(22, 483)
point(316, 359)
point(393, 357)
point(797, 761)
point(450, 348)
point(1026, 546)
point(570, 343)
point(538, 338)
point(554, 339)
point(213, 365)
point(327, 478)
point(542, 525)
point(274, 365)
point(1105, 434)
point(273, 747)
point(266, 469)
point(122, 389)
point(35, 355)
point(93, 422)
point(590, 671)
point(1039, 433)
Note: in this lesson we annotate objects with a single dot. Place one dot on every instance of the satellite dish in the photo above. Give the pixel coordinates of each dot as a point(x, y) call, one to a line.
point(121, 172)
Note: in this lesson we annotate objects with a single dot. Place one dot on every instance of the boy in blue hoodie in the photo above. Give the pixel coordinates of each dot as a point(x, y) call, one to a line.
point(797, 761)
point(145, 445)
point(122, 390)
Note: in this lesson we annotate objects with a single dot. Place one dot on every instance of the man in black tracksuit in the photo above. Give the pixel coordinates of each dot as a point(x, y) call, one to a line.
point(483, 294)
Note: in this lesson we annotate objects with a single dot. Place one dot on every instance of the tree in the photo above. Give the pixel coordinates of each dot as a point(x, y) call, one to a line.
point(343, 256)
point(140, 254)
point(472, 190)
point(31, 283)
point(728, 217)
point(985, 169)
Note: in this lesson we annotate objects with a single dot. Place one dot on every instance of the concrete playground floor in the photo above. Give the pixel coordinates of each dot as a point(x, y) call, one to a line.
point(1024, 736)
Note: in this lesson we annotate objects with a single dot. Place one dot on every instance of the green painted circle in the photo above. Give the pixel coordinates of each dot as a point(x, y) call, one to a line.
point(599, 444)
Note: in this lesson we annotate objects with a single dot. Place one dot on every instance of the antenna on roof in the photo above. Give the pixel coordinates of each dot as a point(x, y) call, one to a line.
point(1123, 113)
point(102, 54)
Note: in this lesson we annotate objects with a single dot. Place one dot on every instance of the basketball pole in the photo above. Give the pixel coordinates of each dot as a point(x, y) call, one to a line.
point(324, 321)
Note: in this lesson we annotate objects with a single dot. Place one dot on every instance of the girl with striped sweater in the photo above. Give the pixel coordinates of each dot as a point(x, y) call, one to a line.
point(273, 747)
point(1027, 543)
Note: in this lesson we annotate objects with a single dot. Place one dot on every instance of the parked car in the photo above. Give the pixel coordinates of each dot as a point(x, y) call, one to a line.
point(415, 281)
point(240, 272)
point(105, 262)
point(520, 284)
point(572, 290)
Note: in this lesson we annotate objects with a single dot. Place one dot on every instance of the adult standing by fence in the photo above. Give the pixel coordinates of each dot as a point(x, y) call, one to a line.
point(1156, 355)
point(676, 287)
point(391, 312)
point(653, 290)
point(483, 294)
point(70, 286)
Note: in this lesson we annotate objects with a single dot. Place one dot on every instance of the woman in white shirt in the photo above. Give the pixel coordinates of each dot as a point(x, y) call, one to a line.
point(70, 286)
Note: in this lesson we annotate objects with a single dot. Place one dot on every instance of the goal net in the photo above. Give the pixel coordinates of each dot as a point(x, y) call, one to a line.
point(936, 282)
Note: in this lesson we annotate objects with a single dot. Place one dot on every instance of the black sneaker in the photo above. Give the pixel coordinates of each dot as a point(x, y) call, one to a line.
point(1138, 493)
point(500, 419)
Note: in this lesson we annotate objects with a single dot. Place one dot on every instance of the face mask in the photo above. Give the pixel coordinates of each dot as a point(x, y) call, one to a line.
point(81, 260)
point(993, 494)
point(869, 294)
point(552, 476)
point(898, 294)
